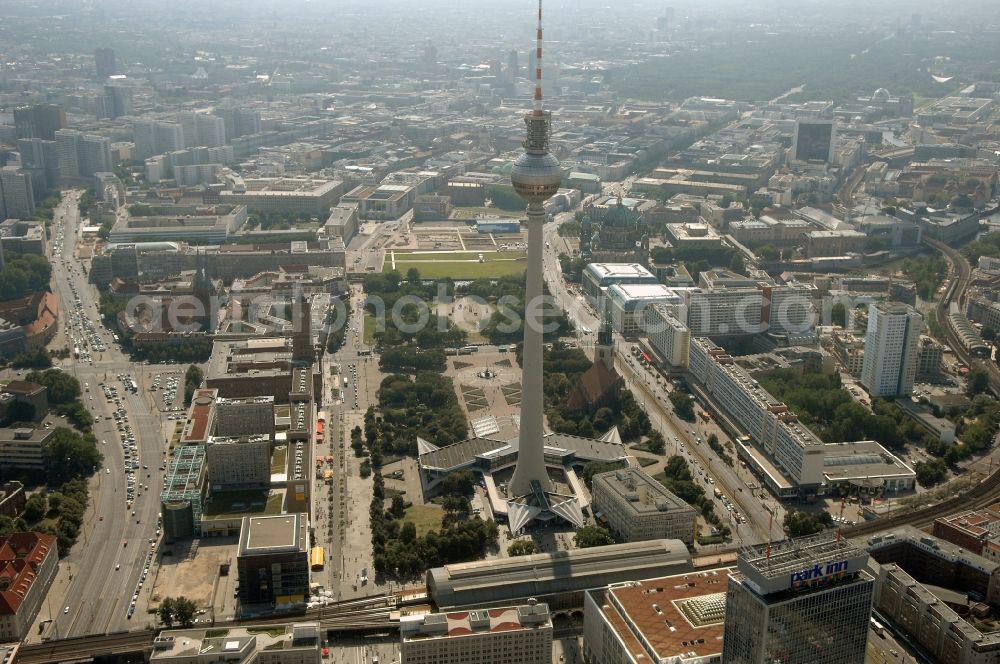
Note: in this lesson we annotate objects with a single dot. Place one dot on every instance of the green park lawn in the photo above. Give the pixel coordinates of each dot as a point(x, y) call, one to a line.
point(459, 264)
point(424, 517)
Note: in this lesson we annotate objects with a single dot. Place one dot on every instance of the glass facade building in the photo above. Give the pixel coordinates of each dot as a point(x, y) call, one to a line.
point(805, 601)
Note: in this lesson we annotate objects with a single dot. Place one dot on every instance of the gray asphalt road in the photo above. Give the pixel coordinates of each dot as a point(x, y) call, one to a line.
point(99, 595)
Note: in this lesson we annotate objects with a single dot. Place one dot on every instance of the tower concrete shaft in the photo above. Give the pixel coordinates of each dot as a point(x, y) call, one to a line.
point(536, 177)
point(531, 453)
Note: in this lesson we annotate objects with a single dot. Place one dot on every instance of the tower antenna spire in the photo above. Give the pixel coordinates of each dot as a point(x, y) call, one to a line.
point(537, 110)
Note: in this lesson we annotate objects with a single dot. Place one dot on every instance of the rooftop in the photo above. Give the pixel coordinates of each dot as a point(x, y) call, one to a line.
point(21, 554)
point(542, 574)
point(466, 451)
point(861, 460)
point(200, 416)
point(283, 186)
point(973, 522)
point(465, 623)
point(234, 644)
point(782, 560)
point(668, 617)
point(619, 270)
point(629, 292)
point(642, 492)
point(273, 534)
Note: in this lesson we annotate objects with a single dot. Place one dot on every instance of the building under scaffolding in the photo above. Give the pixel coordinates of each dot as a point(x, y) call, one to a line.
point(182, 498)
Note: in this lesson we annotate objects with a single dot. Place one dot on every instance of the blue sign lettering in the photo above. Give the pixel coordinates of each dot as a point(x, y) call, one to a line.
point(817, 573)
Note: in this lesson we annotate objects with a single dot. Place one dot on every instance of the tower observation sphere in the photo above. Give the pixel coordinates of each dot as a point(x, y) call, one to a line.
point(536, 175)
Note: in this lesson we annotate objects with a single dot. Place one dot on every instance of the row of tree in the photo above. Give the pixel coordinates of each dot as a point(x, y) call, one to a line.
point(336, 336)
point(507, 295)
point(57, 511)
point(188, 349)
point(927, 273)
point(677, 478)
point(177, 610)
point(62, 387)
point(423, 405)
point(822, 403)
point(193, 378)
point(987, 245)
point(800, 524)
point(39, 358)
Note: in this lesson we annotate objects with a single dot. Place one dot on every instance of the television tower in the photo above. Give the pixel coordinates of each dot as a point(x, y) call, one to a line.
point(536, 177)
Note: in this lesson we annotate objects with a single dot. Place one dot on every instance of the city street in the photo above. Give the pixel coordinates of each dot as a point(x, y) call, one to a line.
point(653, 395)
point(98, 578)
point(349, 547)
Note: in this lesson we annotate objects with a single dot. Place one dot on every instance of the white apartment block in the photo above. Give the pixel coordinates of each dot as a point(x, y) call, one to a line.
point(192, 176)
point(788, 310)
point(510, 635)
point(796, 450)
point(638, 508)
point(628, 304)
point(201, 129)
point(891, 349)
point(719, 311)
point(668, 336)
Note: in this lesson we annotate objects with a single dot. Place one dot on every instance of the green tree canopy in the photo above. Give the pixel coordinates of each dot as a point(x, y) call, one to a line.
point(521, 547)
point(589, 536)
point(62, 387)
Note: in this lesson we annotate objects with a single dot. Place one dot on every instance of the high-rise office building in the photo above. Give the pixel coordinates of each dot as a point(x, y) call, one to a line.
point(302, 348)
point(201, 129)
point(95, 155)
point(814, 140)
point(273, 559)
point(39, 121)
point(41, 159)
point(68, 152)
point(804, 601)
point(152, 137)
point(891, 349)
point(82, 155)
point(116, 102)
point(513, 66)
point(17, 197)
point(105, 62)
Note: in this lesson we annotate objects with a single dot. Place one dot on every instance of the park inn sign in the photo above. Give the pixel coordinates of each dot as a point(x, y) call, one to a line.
point(818, 574)
point(770, 574)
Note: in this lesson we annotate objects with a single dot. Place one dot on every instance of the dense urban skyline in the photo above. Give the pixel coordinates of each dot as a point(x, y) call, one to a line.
point(412, 332)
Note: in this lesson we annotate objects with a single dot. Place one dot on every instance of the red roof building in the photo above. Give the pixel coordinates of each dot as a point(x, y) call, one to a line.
point(28, 563)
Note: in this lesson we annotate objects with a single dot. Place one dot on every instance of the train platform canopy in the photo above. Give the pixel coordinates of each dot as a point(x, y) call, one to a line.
point(559, 576)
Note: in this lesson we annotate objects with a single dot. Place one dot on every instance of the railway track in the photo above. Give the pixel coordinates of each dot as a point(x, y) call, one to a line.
point(987, 491)
point(365, 614)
